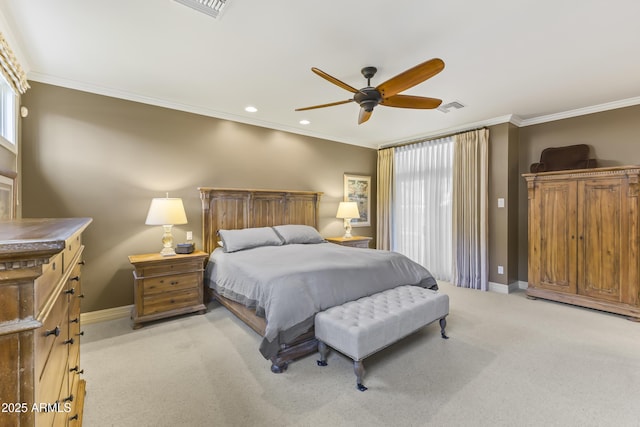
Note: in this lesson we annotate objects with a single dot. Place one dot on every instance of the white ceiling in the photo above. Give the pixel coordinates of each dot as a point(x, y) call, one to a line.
point(526, 61)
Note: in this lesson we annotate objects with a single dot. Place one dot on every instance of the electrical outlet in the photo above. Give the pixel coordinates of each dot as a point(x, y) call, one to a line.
point(189, 236)
point(500, 269)
point(501, 202)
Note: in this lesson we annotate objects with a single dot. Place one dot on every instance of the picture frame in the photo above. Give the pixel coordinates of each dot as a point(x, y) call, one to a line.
point(7, 195)
point(357, 188)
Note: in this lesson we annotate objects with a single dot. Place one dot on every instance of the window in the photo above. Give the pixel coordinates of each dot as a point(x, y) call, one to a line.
point(422, 207)
point(8, 116)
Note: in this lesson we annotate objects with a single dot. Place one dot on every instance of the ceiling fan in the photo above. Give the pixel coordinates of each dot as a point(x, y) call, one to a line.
point(387, 93)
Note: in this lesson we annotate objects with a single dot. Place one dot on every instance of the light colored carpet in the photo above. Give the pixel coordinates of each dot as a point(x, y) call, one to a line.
point(510, 361)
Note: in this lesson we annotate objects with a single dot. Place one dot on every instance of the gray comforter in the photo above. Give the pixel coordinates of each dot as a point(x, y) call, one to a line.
point(289, 284)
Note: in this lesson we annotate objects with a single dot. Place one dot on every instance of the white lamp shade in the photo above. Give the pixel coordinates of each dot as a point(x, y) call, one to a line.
point(348, 210)
point(166, 211)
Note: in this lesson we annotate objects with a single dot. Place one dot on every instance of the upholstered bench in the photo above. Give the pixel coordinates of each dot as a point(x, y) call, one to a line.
point(362, 327)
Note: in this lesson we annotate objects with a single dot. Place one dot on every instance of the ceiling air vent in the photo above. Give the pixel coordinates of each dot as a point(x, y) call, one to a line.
point(210, 7)
point(447, 107)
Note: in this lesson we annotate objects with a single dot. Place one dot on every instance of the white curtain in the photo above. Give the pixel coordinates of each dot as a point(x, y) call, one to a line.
point(423, 175)
point(470, 212)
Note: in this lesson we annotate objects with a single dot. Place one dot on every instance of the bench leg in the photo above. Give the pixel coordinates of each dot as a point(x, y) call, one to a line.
point(358, 368)
point(443, 324)
point(322, 349)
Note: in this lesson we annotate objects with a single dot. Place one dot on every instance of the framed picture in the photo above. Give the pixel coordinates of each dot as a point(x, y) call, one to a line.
point(7, 195)
point(357, 188)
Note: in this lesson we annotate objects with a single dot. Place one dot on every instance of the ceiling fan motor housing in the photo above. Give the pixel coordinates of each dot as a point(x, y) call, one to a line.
point(368, 98)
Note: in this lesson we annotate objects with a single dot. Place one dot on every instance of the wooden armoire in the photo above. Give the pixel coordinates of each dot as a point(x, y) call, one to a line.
point(584, 246)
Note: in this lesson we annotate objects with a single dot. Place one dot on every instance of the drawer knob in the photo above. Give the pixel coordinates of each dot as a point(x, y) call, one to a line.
point(76, 369)
point(76, 278)
point(69, 341)
point(174, 282)
point(55, 331)
point(82, 262)
point(81, 296)
point(70, 291)
point(76, 320)
point(73, 418)
point(68, 398)
point(81, 334)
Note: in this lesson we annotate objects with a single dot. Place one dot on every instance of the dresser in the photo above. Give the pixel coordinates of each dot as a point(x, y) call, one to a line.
point(584, 242)
point(40, 293)
point(354, 241)
point(166, 286)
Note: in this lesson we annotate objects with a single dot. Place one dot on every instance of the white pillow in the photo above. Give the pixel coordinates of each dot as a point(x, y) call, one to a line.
point(247, 238)
point(297, 233)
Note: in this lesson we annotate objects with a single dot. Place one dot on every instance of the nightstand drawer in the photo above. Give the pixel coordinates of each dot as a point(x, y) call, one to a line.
point(177, 282)
point(354, 242)
point(170, 301)
point(184, 266)
point(358, 244)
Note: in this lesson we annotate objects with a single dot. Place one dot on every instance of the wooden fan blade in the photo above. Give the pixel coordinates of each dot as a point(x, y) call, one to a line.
point(325, 105)
point(364, 115)
point(409, 101)
point(411, 77)
point(333, 80)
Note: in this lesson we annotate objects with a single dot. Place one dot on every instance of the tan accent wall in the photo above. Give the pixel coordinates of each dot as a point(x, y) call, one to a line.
point(86, 155)
point(614, 138)
point(503, 222)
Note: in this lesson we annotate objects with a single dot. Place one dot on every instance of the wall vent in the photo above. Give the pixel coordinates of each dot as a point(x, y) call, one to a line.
point(210, 7)
point(445, 108)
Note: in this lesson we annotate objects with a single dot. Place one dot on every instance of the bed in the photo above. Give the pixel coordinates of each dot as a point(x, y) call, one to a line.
point(269, 266)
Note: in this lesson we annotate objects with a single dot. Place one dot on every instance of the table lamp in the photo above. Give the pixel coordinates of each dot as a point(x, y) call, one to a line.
point(346, 211)
point(166, 212)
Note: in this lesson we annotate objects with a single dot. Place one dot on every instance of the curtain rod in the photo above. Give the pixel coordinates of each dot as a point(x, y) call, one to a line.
point(419, 140)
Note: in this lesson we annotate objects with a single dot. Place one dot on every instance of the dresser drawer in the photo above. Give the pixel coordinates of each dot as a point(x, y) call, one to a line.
point(55, 403)
point(49, 337)
point(171, 301)
point(71, 248)
point(156, 285)
point(45, 284)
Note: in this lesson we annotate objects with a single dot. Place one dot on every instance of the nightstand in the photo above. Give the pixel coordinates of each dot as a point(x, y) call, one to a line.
point(166, 286)
point(355, 241)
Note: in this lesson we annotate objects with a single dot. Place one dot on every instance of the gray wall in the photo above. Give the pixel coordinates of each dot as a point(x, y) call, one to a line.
point(85, 155)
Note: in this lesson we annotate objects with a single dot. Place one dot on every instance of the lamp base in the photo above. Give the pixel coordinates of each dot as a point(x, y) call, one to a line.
point(167, 242)
point(167, 252)
point(347, 228)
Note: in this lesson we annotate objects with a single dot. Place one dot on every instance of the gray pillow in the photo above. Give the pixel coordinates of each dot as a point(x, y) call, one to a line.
point(247, 238)
point(297, 233)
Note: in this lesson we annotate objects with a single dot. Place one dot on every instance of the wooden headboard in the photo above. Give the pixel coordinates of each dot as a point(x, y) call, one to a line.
point(232, 209)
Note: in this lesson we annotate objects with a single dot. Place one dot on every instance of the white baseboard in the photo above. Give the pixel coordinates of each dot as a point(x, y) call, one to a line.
point(523, 285)
point(504, 289)
point(104, 315)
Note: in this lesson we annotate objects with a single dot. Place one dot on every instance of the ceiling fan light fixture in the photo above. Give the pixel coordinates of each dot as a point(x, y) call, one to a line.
point(212, 8)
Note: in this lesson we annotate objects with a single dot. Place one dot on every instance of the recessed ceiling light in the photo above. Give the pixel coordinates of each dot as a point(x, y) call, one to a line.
point(250, 109)
point(304, 122)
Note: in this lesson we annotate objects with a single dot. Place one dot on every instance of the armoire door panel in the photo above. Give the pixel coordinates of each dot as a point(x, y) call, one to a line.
point(557, 231)
point(602, 238)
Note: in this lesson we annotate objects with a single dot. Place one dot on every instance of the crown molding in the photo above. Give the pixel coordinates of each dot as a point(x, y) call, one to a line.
point(510, 118)
point(629, 102)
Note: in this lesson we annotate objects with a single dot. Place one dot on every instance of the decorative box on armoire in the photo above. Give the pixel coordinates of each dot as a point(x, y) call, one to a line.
point(40, 293)
point(584, 246)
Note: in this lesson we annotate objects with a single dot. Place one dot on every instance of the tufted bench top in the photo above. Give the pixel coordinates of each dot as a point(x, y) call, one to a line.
point(362, 327)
